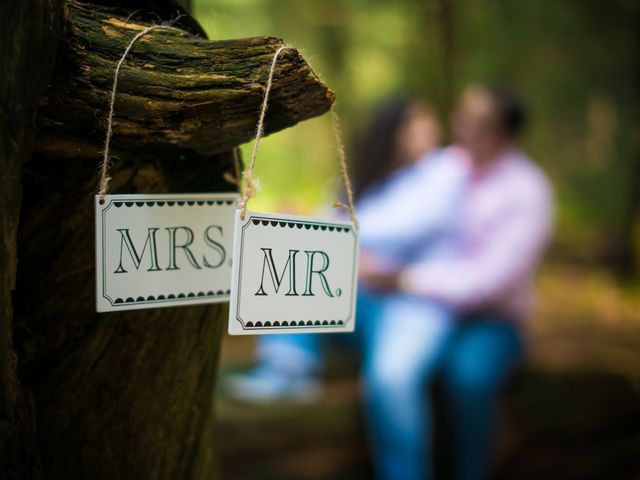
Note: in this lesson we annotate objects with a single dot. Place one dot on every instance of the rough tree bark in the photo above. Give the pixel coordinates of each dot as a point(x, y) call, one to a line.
point(128, 394)
point(176, 91)
point(29, 32)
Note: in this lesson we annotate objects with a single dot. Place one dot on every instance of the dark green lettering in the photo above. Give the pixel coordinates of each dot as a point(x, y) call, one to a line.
point(173, 246)
point(308, 290)
point(273, 273)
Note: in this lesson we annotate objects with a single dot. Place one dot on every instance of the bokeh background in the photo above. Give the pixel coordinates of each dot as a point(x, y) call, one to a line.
point(574, 410)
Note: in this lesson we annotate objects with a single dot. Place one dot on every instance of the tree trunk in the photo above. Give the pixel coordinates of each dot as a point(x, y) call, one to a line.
point(628, 254)
point(119, 395)
point(29, 33)
point(439, 37)
point(127, 394)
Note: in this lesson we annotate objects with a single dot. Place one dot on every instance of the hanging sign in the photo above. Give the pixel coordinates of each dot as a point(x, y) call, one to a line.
point(292, 274)
point(163, 250)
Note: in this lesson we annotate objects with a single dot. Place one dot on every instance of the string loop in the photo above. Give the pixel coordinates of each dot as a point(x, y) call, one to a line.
point(103, 187)
point(251, 185)
point(342, 156)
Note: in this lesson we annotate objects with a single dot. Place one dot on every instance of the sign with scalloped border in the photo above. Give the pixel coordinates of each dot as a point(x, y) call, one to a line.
point(163, 250)
point(292, 274)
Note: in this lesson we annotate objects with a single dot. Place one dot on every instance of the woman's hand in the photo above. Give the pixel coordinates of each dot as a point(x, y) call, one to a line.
point(383, 281)
point(376, 274)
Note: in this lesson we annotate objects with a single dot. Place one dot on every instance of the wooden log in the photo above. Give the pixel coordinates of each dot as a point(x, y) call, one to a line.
point(176, 91)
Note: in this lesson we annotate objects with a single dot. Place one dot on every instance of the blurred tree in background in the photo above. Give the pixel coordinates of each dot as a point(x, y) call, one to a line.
point(576, 61)
point(574, 414)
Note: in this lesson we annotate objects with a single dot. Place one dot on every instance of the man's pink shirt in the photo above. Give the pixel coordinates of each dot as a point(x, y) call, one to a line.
point(505, 224)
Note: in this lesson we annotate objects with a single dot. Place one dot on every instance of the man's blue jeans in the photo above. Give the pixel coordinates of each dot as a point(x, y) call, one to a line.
point(405, 343)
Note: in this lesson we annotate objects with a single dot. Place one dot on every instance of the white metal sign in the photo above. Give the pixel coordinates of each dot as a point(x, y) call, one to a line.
point(163, 250)
point(292, 274)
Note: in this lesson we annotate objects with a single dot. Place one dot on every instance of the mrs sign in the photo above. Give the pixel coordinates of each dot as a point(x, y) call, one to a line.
point(163, 250)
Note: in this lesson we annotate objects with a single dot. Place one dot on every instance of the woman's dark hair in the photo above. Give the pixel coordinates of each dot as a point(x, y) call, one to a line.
point(375, 153)
point(511, 109)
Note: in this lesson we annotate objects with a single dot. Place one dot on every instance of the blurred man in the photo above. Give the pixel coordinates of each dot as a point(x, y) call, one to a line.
point(485, 287)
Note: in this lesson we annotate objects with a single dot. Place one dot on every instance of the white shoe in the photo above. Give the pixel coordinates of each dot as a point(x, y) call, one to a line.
point(267, 385)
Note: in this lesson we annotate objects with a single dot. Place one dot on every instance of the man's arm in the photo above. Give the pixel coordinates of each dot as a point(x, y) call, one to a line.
point(507, 258)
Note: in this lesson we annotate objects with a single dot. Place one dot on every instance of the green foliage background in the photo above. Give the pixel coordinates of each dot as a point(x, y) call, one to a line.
point(576, 61)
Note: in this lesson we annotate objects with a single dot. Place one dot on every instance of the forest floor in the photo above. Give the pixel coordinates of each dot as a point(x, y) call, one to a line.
point(572, 413)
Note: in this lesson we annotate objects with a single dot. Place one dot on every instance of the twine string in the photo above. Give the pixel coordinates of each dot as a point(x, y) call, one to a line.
point(342, 156)
point(103, 187)
point(251, 184)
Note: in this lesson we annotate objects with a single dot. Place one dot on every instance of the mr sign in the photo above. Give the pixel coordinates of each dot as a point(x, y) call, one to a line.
point(292, 275)
point(163, 250)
